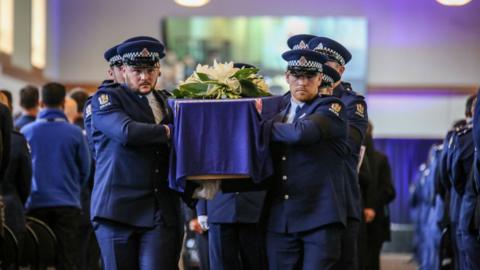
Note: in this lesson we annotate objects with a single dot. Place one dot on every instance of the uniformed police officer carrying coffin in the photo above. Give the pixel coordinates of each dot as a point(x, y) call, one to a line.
point(135, 214)
point(356, 110)
point(307, 208)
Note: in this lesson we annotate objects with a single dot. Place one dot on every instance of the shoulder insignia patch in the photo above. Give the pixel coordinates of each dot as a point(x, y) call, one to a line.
point(335, 108)
point(360, 111)
point(88, 110)
point(104, 100)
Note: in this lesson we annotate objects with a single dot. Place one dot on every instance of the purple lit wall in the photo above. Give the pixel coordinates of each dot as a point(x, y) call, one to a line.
point(411, 42)
point(406, 125)
point(405, 157)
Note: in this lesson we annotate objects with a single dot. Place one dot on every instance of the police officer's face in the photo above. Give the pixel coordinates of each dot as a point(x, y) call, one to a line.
point(117, 74)
point(141, 79)
point(304, 87)
point(339, 68)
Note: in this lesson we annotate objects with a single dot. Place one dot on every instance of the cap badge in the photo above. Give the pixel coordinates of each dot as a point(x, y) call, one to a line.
point(302, 61)
point(302, 45)
point(145, 53)
point(319, 46)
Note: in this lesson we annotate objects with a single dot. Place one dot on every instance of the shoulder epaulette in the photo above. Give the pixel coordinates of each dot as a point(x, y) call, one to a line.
point(165, 92)
point(464, 129)
point(347, 86)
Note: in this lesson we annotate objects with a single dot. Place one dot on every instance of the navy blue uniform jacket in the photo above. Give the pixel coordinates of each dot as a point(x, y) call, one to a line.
point(240, 207)
point(132, 155)
point(356, 110)
point(308, 186)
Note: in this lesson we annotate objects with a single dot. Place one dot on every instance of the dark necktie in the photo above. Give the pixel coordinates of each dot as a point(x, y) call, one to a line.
point(297, 113)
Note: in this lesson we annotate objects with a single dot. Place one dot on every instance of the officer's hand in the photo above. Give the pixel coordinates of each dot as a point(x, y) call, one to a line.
point(203, 221)
point(2, 215)
point(167, 128)
point(259, 105)
point(195, 226)
point(369, 214)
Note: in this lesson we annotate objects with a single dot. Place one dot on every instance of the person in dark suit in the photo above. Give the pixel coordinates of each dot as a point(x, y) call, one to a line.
point(136, 216)
point(378, 230)
point(6, 126)
point(306, 206)
point(17, 182)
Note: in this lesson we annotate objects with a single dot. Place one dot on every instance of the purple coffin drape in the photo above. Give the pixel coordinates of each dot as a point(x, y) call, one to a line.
point(220, 137)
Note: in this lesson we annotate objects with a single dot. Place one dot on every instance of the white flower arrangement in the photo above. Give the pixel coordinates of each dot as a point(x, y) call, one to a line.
point(221, 81)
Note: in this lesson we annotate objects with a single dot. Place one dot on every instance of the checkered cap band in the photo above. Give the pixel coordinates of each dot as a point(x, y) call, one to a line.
point(331, 53)
point(327, 79)
point(301, 46)
point(305, 64)
point(153, 56)
point(115, 59)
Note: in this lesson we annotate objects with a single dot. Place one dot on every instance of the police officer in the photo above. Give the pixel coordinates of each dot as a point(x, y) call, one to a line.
point(457, 183)
point(476, 140)
point(462, 181)
point(135, 214)
point(330, 77)
point(356, 110)
point(306, 205)
point(296, 42)
point(114, 78)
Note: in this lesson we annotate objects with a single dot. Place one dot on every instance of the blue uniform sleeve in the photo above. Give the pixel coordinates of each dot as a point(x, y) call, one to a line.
point(462, 160)
point(327, 122)
point(87, 123)
point(476, 139)
point(357, 119)
point(202, 207)
point(83, 160)
point(109, 117)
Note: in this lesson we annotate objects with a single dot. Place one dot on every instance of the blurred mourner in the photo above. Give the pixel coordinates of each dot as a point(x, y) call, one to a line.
point(55, 197)
point(136, 216)
point(29, 102)
point(306, 201)
point(378, 231)
point(16, 185)
point(80, 96)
